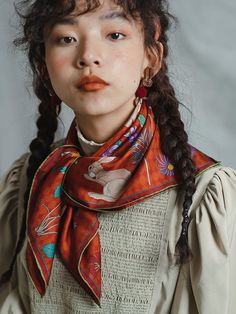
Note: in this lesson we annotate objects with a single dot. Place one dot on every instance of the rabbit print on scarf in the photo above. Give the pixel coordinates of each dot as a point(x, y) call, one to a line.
point(112, 181)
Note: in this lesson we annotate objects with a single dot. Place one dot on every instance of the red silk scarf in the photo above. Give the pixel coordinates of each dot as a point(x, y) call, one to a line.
point(68, 189)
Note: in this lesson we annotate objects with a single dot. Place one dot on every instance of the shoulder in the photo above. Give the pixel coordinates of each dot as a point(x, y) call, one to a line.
point(17, 165)
point(213, 212)
point(219, 182)
point(213, 180)
point(14, 178)
point(10, 185)
point(223, 181)
point(10, 179)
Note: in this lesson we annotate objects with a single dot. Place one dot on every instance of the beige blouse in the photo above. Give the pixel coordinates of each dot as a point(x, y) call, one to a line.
point(151, 285)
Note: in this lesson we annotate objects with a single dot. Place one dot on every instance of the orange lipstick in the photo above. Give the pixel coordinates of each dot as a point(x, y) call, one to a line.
point(92, 83)
point(92, 86)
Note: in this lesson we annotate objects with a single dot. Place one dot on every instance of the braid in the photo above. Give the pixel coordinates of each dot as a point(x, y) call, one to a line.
point(174, 144)
point(40, 149)
point(174, 140)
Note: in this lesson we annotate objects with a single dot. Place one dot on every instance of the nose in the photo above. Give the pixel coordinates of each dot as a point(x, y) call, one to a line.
point(88, 54)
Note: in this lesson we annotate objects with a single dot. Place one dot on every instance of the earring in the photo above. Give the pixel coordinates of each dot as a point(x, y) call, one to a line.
point(141, 92)
point(147, 80)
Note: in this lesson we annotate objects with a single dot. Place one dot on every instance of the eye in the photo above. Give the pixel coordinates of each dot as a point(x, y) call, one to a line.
point(66, 40)
point(115, 36)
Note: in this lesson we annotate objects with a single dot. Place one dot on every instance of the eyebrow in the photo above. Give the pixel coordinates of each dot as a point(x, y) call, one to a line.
point(108, 16)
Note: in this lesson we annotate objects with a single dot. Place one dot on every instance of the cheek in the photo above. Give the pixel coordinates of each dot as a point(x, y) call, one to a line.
point(60, 62)
point(128, 67)
point(57, 65)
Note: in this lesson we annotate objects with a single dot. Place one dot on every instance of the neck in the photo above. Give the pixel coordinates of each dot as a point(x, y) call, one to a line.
point(101, 128)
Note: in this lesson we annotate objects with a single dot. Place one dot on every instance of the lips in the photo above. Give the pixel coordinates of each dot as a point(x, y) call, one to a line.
point(92, 82)
point(89, 87)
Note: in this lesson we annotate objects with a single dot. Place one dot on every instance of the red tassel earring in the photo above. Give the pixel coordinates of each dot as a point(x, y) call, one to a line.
point(141, 92)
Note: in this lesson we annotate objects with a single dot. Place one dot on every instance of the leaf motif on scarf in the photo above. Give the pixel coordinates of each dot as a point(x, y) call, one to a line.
point(49, 249)
point(57, 192)
point(48, 222)
point(63, 169)
point(140, 147)
point(142, 119)
point(94, 265)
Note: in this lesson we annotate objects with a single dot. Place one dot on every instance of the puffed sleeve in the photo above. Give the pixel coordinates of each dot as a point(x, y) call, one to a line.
point(9, 195)
point(213, 241)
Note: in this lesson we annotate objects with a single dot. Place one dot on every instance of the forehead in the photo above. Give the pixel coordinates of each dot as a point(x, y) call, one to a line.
point(100, 11)
point(104, 9)
point(83, 5)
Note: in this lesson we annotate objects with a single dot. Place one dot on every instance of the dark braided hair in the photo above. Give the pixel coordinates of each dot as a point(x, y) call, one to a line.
point(161, 96)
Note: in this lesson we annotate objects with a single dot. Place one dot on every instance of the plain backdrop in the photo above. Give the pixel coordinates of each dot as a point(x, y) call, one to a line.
point(202, 67)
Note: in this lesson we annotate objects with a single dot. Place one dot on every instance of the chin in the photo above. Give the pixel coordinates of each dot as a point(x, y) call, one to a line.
point(93, 112)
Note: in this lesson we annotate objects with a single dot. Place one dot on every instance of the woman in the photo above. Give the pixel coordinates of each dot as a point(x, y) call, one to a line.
point(123, 215)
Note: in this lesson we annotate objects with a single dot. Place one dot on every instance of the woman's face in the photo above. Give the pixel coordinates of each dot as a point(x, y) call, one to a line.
point(97, 43)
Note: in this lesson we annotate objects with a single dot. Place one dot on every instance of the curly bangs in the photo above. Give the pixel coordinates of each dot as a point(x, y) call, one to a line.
point(38, 15)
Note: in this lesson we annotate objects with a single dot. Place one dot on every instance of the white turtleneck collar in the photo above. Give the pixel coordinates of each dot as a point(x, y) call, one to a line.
point(90, 147)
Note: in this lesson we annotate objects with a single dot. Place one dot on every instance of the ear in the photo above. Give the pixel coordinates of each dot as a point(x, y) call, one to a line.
point(154, 57)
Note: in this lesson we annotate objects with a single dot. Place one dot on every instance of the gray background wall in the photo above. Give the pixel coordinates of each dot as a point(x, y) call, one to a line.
point(202, 67)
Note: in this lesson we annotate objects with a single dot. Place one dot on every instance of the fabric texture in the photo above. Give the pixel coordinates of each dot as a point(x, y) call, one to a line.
point(195, 288)
point(131, 245)
point(69, 189)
